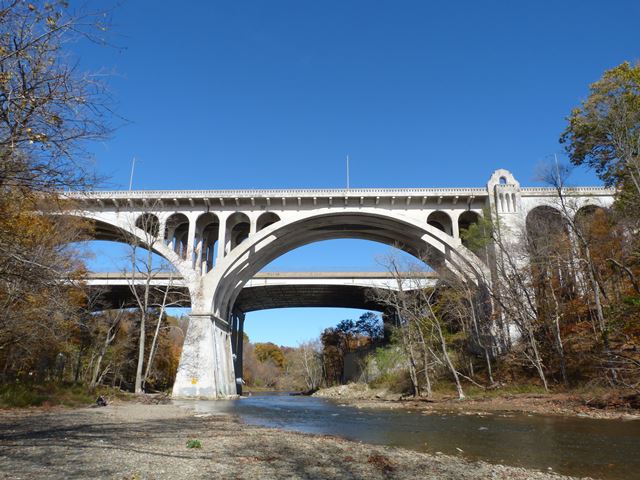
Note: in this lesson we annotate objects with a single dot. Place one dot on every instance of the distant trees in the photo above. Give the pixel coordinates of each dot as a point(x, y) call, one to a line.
point(270, 366)
point(348, 336)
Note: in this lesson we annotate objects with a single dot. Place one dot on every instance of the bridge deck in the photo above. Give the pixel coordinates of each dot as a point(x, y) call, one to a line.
point(273, 289)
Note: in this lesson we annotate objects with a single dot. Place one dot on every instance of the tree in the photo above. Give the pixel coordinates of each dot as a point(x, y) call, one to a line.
point(604, 132)
point(370, 325)
point(270, 351)
point(48, 108)
point(151, 300)
point(306, 361)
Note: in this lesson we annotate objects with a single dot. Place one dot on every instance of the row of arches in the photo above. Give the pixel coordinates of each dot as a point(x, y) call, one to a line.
point(552, 219)
point(207, 235)
point(207, 242)
point(442, 221)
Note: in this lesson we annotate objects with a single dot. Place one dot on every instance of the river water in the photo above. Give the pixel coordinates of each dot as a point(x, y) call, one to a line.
point(607, 449)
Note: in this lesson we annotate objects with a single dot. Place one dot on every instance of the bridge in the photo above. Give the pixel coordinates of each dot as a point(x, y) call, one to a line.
point(218, 240)
point(266, 290)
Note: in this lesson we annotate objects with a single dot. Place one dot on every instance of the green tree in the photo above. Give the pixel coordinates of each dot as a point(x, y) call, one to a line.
point(370, 325)
point(604, 131)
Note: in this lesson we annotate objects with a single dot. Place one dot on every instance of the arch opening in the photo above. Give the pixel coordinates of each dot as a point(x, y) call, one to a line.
point(543, 224)
point(266, 219)
point(441, 221)
point(149, 223)
point(550, 253)
point(466, 219)
point(238, 226)
point(300, 310)
point(206, 242)
point(586, 215)
point(420, 240)
point(177, 234)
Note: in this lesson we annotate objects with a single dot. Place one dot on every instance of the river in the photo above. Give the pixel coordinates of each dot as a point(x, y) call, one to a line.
point(607, 449)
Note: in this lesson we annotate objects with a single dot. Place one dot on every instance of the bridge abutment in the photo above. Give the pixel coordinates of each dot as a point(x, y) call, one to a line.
point(206, 364)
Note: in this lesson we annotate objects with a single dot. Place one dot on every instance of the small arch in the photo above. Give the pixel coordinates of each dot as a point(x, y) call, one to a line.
point(441, 221)
point(266, 219)
point(585, 217)
point(502, 181)
point(543, 223)
point(177, 233)
point(206, 241)
point(587, 211)
point(238, 228)
point(149, 223)
point(466, 219)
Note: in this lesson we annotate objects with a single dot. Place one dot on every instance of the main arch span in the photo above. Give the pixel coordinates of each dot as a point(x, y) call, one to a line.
point(218, 241)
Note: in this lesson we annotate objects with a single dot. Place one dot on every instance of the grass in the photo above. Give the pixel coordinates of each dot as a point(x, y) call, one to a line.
point(195, 443)
point(22, 395)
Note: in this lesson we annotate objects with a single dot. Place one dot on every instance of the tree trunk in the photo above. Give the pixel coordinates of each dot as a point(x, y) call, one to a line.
point(447, 358)
point(558, 338)
point(152, 350)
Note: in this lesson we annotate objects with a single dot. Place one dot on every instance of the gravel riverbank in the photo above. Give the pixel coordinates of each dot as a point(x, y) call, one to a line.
point(361, 396)
point(136, 441)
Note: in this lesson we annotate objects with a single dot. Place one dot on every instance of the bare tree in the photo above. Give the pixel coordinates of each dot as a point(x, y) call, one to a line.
point(512, 292)
point(420, 328)
point(309, 360)
point(48, 108)
point(113, 320)
point(151, 300)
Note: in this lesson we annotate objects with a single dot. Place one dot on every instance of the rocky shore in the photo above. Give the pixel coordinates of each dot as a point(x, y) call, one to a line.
point(140, 441)
point(360, 395)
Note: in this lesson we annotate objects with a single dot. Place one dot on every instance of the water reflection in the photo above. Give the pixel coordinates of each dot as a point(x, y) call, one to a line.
point(608, 449)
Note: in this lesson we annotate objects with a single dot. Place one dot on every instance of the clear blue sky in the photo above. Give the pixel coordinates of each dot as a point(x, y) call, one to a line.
point(257, 94)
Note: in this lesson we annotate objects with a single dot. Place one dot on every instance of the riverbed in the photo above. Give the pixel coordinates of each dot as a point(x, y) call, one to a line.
point(607, 449)
point(129, 440)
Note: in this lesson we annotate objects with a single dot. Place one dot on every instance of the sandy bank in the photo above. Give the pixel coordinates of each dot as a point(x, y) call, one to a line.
point(134, 441)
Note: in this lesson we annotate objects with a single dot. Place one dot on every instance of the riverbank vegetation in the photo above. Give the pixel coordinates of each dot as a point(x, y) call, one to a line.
point(566, 311)
point(50, 336)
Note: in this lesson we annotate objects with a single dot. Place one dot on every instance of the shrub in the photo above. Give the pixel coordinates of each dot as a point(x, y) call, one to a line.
point(195, 443)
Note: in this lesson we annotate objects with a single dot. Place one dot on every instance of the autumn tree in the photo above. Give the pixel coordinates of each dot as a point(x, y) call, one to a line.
point(604, 131)
point(48, 110)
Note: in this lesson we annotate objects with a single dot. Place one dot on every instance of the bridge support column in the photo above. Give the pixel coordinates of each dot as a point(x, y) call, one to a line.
point(206, 364)
point(237, 345)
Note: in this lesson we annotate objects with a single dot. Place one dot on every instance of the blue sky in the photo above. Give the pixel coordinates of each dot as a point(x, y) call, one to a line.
point(256, 94)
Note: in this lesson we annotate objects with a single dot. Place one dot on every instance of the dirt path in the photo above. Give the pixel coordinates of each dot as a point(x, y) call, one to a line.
point(135, 441)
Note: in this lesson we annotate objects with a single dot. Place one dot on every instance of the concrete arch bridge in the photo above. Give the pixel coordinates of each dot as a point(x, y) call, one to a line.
point(218, 241)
